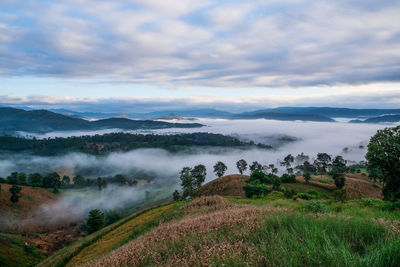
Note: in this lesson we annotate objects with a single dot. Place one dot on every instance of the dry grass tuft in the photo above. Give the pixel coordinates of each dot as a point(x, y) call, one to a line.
point(140, 249)
point(190, 256)
point(207, 204)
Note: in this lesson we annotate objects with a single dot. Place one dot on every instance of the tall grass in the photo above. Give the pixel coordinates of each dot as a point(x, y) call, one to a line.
point(290, 238)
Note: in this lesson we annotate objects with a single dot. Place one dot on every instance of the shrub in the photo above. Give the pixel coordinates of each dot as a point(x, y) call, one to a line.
point(305, 196)
point(111, 217)
point(287, 178)
point(255, 190)
point(391, 205)
point(340, 195)
point(316, 206)
point(176, 196)
point(289, 193)
point(315, 193)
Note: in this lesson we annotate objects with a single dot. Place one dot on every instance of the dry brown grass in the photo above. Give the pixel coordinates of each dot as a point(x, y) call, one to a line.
point(228, 186)
point(357, 186)
point(141, 248)
point(190, 256)
point(207, 204)
point(31, 198)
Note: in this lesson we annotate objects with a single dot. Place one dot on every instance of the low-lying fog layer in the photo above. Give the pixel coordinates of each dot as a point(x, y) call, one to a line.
point(163, 166)
point(312, 137)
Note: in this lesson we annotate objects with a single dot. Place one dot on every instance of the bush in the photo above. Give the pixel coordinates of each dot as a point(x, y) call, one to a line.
point(289, 193)
point(111, 217)
point(340, 195)
point(316, 206)
point(287, 178)
point(391, 205)
point(370, 202)
point(305, 196)
point(256, 190)
point(315, 193)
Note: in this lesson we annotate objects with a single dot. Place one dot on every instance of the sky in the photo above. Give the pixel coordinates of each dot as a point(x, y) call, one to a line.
point(145, 55)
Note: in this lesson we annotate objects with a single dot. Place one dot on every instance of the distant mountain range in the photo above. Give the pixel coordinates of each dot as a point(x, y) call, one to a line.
point(380, 119)
point(281, 116)
point(280, 113)
point(41, 121)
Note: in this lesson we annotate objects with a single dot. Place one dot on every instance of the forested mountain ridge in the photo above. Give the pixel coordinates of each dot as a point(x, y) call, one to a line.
point(41, 121)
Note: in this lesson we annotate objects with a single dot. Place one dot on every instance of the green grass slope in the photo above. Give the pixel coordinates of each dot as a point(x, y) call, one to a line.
point(237, 231)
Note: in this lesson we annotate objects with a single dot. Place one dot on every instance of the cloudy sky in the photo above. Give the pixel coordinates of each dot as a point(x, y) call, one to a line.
point(148, 54)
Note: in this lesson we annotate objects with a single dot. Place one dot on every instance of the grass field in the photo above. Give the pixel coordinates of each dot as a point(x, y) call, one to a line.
point(237, 231)
point(275, 232)
point(13, 251)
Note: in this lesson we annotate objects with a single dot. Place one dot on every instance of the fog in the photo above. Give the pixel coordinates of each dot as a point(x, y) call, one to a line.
point(162, 167)
point(307, 137)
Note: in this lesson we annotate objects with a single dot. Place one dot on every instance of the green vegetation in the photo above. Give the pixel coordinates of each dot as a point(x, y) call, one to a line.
point(95, 220)
point(102, 144)
point(14, 252)
point(220, 168)
point(384, 161)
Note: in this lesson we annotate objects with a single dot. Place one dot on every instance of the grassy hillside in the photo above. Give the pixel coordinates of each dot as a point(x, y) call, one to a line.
point(237, 231)
point(31, 198)
point(14, 251)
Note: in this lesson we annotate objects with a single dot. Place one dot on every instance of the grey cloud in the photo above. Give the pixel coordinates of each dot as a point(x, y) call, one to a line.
point(295, 43)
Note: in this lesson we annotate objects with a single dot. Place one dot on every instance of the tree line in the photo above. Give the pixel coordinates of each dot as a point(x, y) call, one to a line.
point(54, 181)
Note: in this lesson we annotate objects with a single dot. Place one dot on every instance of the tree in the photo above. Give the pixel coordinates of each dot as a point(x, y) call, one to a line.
point(15, 190)
point(95, 220)
point(101, 183)
point(66, 179)
point(187, 181)
point(120, 179)
point(272, 168)
point(79, 180)
point(131, 182)
point(241, 165)
point(255, 166)
point(287, 163)
point(301, 158)
point(337, 171)
point(307, 177)
point(13, 178)
point(307, 169)
point(383, 161)
point(176, 195)
point(198, 173)
point(21, 178)
point(220, 168)
point(322, 163)
point(35, 178)
point(51, 180)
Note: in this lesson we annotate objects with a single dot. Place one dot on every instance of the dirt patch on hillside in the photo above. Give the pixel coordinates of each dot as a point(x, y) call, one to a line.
point(228, 186)
point(50, 242)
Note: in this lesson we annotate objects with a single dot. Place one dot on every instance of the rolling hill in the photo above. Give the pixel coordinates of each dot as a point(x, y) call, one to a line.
point(380, 119)
point(42, 121)
point(229, 229)
point(282, 116)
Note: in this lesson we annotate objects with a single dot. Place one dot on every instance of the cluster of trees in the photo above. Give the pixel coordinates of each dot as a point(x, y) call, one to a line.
point(191, 179)
point(101, 144)
point(55, 181)
point(264, 178)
